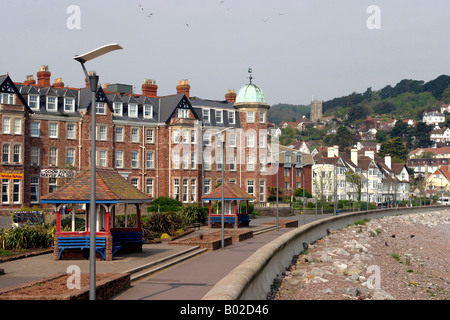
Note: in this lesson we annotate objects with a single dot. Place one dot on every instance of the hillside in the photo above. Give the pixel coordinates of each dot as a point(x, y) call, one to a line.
point(407, 99)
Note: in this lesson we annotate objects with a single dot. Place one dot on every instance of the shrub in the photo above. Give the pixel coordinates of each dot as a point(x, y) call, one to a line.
point(164, 204)
point(27, 237)
point(193, 213)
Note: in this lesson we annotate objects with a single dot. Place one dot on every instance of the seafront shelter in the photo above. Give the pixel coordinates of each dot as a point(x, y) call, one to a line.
point(232, 196)
point(112, 190)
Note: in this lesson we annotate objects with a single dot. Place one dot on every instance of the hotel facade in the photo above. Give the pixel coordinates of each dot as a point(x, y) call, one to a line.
point(172, 146)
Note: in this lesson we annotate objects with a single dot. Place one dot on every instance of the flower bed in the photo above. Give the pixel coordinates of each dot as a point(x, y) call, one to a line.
point(55, 288)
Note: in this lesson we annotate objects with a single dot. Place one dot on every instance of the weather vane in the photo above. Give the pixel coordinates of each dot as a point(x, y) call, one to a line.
point(250, 71)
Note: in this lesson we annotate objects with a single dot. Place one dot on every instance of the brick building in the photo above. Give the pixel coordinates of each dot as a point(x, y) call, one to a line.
point(164, 146)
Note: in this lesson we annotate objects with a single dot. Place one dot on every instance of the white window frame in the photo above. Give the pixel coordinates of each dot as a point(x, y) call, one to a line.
point(262, 117)
point(6, 153)
point(149, 135)
point(185, 195)
point(251, 186)
point(6, 125)
point(231, 117)
point(206, 113)
point(150, 164)
point(148, 111)
point(176, 189)
point(250, 162)
point(118, 108)
point(233, 139)
point(250, 116)
point(33, 101)
point(250, 140)
point(133, 110)
point(135, 135)
point(69, 102)
point(53, 155)
point(17, 153)
point(34, 184)
point(119, 134)
point(218, 116)
point(35, 133)
point(193, 190)
point(49, 104)
point(5, 191)
point(135, 159)
point(100, 107)
point(72, 157)
point(70, 134)
point(119, 159)
point(176, 160)
point(17, 126)
point(53, 130)
point(149, 187)
point(35, 154)
point(102, 133)
point(102, 158)
point(16, 192)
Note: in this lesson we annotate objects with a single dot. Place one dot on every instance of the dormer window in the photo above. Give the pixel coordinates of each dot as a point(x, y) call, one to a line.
point(118, 108)
point(52, 103)
point(33, 101)
point(69, 104)
point(219, 116)
point(132, 110)
point(148, 111)
point(231, 117)
point(206, 115)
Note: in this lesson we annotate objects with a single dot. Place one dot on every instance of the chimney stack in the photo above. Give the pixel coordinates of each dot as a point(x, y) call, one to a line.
point(149, 88)
point(230, 96)
point(29, 80)
point(58, 83)
point(44, 76)
point(354, 156)
point(388, 161)
point(183, 88)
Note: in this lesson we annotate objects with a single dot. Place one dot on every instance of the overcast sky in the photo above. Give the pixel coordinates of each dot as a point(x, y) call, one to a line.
point(298, 50)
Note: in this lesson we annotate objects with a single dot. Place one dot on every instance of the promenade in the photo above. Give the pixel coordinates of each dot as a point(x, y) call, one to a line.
point(190, 279)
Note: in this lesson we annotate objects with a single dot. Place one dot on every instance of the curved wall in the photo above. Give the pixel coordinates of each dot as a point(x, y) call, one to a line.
point(252, 279)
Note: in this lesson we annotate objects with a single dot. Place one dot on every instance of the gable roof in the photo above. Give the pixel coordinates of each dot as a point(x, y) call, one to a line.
point(8, 86)
point(111, 187)
point(230, 192)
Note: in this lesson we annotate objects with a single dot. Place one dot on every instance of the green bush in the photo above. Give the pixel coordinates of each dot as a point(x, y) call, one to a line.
point(27, 237)
point(193, 213)
point(164, 204)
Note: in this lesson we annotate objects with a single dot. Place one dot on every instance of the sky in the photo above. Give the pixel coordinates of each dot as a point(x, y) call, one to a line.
point(298, 50)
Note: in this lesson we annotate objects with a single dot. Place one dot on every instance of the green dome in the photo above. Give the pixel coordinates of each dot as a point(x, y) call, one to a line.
point(250, 93)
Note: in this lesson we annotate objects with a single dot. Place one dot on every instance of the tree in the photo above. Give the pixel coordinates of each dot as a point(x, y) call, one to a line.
point(381, 136)
point(395, 148)
point(343, 138)
point(356, 181)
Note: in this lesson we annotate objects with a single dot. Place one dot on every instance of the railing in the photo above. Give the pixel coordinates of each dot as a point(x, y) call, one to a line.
point(252, 279)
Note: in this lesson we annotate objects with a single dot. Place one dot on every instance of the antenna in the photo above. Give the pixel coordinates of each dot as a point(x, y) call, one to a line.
point(250, 71)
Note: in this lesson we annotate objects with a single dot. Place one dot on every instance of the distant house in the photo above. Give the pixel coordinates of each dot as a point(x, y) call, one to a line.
point(437, 152)
point(433, 117)
point(445, 108)
point(440, 135)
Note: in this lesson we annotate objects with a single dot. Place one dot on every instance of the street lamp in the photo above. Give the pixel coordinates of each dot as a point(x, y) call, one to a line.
point(93, 83)
point(277, 192)
point(222, 142)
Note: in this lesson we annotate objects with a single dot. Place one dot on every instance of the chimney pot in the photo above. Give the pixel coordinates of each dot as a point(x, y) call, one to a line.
point(184, 88)
point(30, 80)
point(149, 88)
point(230, 96)
point(44, 76)
point(58, 83)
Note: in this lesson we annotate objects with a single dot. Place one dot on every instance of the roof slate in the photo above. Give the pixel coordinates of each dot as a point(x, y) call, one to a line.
point(110, 186)
point(231, 192)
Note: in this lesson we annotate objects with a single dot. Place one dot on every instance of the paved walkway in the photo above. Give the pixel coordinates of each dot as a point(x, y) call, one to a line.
point(190, 279)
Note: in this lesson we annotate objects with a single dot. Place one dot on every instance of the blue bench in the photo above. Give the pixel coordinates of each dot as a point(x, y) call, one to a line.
point(230, 220)
point(83, 243)
point(128, 240)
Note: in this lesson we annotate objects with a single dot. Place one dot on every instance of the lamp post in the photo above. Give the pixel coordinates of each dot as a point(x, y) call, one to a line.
point(93, 83)
point(277, 192)
point(222, 143)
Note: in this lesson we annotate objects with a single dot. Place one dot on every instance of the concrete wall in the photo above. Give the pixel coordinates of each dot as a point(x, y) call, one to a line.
point(252, 279)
